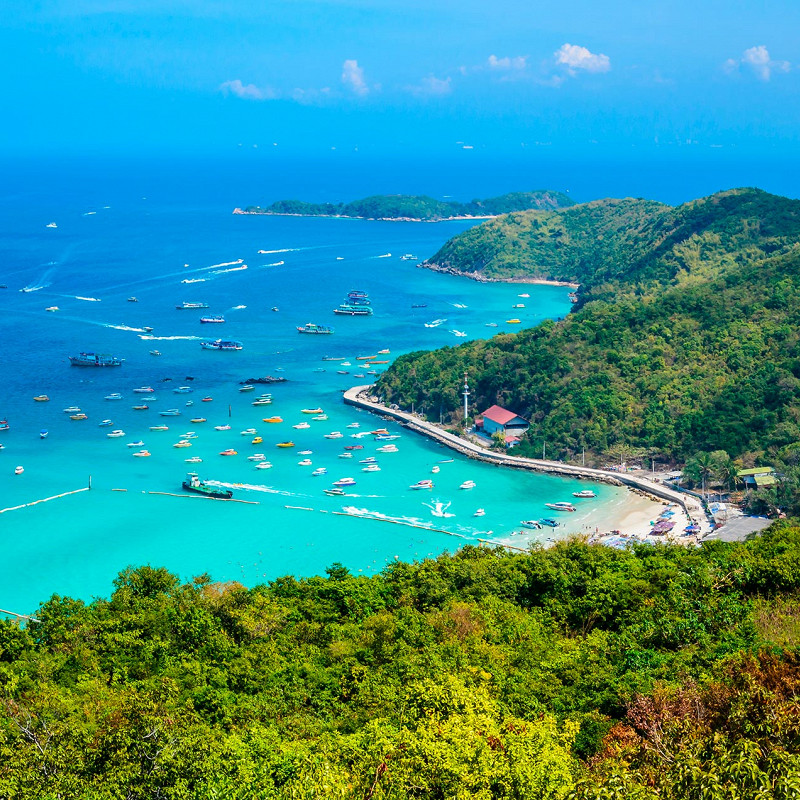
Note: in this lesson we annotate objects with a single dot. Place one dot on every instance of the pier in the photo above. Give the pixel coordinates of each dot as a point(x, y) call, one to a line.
point(360, 397)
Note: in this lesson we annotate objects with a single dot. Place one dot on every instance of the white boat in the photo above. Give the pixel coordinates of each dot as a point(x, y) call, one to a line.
point(183, 443)
point(138, 443)
point(193, 460)
point(49, 225)
point(369, 460)
point(113, 396)
point(306, 462)
point(320, 417)
point(247, 388)
point(584, 493)
point(141, 454)
point(257, 457)
point(371, 468)
point(304, 452)
point(345, 482)
point(301, 426)
point(334, 435)
point(183, 390)
point(467, 485)
point(19, 470)
point(458, 333)
point(222, 427)
point(435, 469)
point(248, 432)
point(144, 390)
point(264, 465)
point(387, 448)
point(354, 425)
point(159, 428)
point(423, 484)
point(170, 412)
point(531, 523)
point(345, 455)
point(72, 410)
point(106, 423)
point(561, 506)
point(479, 513)
point(319, 471)
point(115, 434)
point(155, 352)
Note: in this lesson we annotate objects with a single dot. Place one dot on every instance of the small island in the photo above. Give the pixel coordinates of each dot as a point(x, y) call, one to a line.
point(418, 208)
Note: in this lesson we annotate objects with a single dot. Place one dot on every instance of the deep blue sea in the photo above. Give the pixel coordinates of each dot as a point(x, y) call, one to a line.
point(126, 228)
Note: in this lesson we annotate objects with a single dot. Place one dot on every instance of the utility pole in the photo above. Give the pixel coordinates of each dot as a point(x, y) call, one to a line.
point(583, 457)
point(466, 400)
point(543, 446)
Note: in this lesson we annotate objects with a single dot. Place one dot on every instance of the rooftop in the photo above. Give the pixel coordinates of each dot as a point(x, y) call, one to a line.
point(739, 529)
point(500, 415)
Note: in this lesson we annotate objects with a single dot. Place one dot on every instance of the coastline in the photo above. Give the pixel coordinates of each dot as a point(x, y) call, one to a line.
point(632, 525)
point(481, 278)
point(242, 212)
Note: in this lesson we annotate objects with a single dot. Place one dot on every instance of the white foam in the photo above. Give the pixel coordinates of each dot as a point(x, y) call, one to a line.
point(283, 250)
point(148, 337)
point(123, 327)
point(88, 299)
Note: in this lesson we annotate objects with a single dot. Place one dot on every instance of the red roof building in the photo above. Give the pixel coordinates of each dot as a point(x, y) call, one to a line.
point(498, 418)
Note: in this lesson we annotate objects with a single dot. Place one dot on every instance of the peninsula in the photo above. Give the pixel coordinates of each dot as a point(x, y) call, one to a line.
point(683, 344)
point(417, 208)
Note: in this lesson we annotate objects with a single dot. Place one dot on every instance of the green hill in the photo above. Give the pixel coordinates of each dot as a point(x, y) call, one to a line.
point(577, 672)
point(685, 340)
point(418, 207)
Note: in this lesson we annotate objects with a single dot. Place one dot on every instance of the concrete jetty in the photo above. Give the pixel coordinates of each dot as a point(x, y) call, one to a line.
point(361, 397)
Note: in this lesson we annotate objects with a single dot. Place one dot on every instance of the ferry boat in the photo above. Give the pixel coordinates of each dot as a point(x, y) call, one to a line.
point(352, 310)
point(424, 484)
point(220, 344)
point(184, 306)
point(312, 327)
point(217, 318)
point(194, 484)
point(95, 360)
point(561, 506)
point(584, 493)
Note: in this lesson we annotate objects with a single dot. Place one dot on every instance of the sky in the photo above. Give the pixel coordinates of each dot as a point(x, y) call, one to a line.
point(387, 76)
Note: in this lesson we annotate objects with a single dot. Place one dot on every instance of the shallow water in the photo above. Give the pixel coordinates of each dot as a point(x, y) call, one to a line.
point(89, 265)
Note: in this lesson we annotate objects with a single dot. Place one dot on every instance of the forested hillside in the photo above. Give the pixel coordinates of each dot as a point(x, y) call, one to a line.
point(685, 340)
point(577, 672)
point(420, 207)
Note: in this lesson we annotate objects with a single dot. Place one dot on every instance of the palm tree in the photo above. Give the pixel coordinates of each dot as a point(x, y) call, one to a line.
point(705, 468)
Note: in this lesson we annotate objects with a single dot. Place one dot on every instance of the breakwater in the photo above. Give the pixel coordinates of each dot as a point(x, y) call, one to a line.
point(360, 397)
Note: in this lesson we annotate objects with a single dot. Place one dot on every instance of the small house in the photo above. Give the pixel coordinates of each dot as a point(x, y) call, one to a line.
point(497, 419)
point(757, 478)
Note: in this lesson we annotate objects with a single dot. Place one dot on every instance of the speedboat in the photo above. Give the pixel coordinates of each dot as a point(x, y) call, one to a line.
point(73, 410)
point(423, 484)
point(435, 469)
point(345, 455)
point(115, 434)
point(301, 426)
point(105, 423)
point(273, 419)
point(584, 493)
point(334, 435)
point(155, 352)
point(43, 434)
point(257, 440)
point(133, 299)
point(183, 443)
point(345, 482)
point(113, 396)
point(257, 457)
point(229, 452)
point(140, 407)
point(551, 523)
point(336, 492)
point(52, 308)
point(479, 513)
point(207, 399)
point(199, 419)
point(386, 437)
point(369, 460)
point(193, 460)
point(189, 435)
point(306, 462)
point(142, 453)
point(80, 415)
point(222, 427)
point(531, 523)
point(263, 465)
point(561, 506)
point(312, 411)
point(19, 470)
point(170, 412)
point(387, 448)
point(138, 443)
point(249, 432)
point(159, 428)
point(354, 447)
point(371, 468)
point(247, 388)
point(467, 485)
point(319, 471)
point(183, 390)
point(305, 452)
point(320, 418)
point(354, 425)
point(285, 444)
point(41, 398)
point(513, 321)
point(144, 390)
point(262, 401)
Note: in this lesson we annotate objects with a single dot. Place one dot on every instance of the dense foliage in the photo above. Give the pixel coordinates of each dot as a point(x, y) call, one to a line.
point(578, 671)
point(419, 207)
point(685, 338)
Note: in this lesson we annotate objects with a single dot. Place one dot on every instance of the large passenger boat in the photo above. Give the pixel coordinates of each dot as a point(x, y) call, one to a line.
point(353, 310)
point(312, 327)
point(185, 305)
point(220, 344)
point(95, 360)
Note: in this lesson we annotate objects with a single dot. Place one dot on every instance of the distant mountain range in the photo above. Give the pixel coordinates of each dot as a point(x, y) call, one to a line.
point(417, 207)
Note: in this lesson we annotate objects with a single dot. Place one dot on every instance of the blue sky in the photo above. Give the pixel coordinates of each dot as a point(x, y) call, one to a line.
point(382, 75)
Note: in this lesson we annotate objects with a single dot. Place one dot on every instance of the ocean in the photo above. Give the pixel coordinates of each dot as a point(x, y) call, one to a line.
point(143, 230)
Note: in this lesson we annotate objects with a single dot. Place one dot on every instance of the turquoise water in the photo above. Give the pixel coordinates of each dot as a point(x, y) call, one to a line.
point(139, 247)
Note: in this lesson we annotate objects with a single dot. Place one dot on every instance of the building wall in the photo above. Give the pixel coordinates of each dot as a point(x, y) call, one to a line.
point(490, 426)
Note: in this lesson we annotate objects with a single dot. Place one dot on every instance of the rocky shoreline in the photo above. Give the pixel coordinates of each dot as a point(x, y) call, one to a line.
point(243, 212)
point(481, 278)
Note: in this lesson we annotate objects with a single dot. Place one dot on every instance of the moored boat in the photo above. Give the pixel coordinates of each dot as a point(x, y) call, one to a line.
point(213, 319)
point(229, 452)
point(561, 506)
point(584, 493)
point(113, 396)
point(312, 327)
point(185, 305)
point(41, 398)
point(144, 390)
point(115, 434)
point(531, 523)
point(345, 482)
point(170, 412)
point(159, 428)
point(78, 416)
point(220, 344)
point(423, 484)
point(285, 444)
point(468, 485)
point(94, 360)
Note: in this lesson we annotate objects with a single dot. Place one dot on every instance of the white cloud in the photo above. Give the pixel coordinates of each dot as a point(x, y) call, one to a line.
point(575, 58)
point(758, 61)
point(353, 78)
point(506, 63)
point(432, 87)
point(248, 91)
